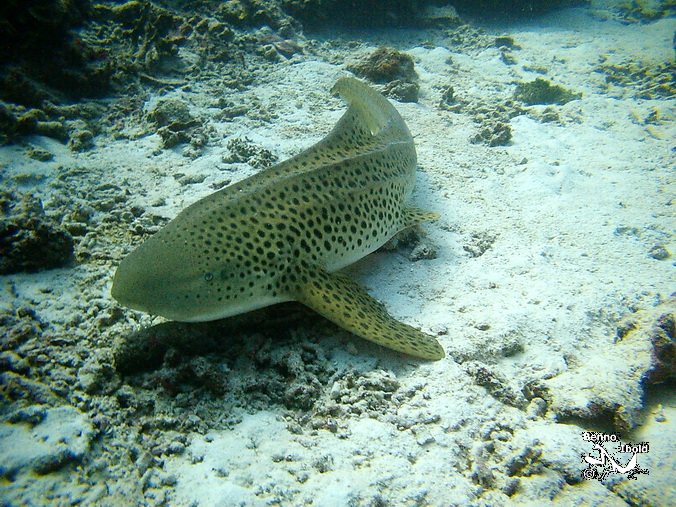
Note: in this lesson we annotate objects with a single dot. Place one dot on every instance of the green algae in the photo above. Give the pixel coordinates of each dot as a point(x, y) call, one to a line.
point(542, 91)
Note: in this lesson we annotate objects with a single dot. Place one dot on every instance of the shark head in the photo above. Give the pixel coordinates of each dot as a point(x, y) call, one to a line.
point(171, 277)
point(155, 280)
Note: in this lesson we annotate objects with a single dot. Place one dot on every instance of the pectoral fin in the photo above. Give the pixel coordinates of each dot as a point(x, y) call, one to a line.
point(345, 303)
point(413, 216)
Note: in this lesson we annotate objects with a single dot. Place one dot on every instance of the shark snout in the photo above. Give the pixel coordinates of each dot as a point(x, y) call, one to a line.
point(158, 278)
point(131, 287)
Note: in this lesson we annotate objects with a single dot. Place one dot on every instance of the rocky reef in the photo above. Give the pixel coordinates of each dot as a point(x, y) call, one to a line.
point(29, 239)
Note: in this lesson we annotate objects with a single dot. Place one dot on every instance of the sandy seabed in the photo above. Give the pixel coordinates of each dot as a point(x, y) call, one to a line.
point(541, 280)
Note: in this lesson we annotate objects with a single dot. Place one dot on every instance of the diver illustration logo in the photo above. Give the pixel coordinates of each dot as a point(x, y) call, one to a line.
point(601, 466)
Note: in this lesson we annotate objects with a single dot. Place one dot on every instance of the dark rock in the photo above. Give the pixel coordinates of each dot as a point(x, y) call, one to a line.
point(438, 17)
point(385, 65)
point(10, 361)
point(659, 252)
point(247, 13)
point(48, 22)
point(146, 349)
point(393, 68)
point(128, 13)
point(423, 252)
point(53, 56)
point(507, 57)
point(81, 140)
point(171, 113)
point(663, 340)
point(505, 41)
point(549, 114)
point(645, 12)
point(16, 87)
point(39, 154)
point(18, 328)
point(402, 91)
point(251, 360)
point(496, 385)
point(285, 47)
point(7, 123)
point(54, 129)
point(498, 9)
point(27, 122)
point(172, 138)
point(176, 124)
point(320, 13)
point(29, 240)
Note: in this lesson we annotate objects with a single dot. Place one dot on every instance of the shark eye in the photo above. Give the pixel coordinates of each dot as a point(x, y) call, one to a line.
point(208, 277)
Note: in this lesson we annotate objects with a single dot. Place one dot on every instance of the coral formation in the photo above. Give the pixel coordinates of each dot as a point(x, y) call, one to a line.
point(642, 80)
point(244, 150)
point(498, 134)
point(541, 91)
point(134, 46)
point(43, 439)
point(493, 119)
point(479, 243)
point(645, 11)
point(285, 47)
point(265, 363)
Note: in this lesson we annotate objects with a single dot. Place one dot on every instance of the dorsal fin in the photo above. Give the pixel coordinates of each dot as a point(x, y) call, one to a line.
point(370, 123)
point(374, 111)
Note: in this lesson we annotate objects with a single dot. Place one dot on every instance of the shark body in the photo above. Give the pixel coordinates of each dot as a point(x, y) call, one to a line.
point(282, 234)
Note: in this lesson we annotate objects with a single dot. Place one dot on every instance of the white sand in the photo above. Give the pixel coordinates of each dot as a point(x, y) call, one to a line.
point(574, 206)
point(557, 279)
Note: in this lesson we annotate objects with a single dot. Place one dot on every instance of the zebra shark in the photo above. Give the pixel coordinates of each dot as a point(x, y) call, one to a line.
point(282, 234)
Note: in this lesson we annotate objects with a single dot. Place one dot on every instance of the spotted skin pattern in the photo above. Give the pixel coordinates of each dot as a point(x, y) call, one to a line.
point(281, 234)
